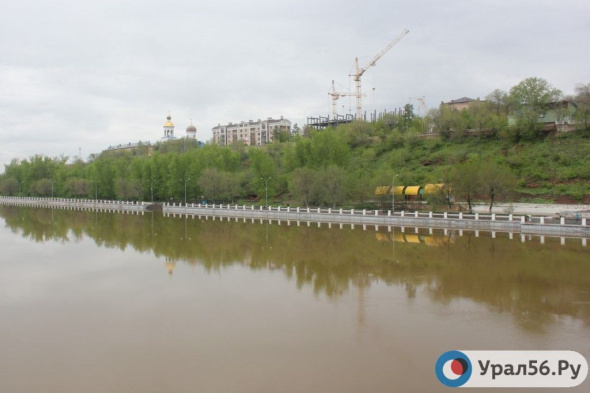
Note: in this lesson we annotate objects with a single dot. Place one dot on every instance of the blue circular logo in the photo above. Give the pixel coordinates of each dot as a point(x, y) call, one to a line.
point(453, 369)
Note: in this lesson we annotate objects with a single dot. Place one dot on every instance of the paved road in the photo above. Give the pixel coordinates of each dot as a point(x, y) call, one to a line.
point(534, 209)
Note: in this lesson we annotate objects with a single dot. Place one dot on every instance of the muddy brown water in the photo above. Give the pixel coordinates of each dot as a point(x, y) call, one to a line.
point(108, 302)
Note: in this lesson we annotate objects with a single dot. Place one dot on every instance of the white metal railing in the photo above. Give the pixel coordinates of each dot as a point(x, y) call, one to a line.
point(92, 203)
point(431, 215)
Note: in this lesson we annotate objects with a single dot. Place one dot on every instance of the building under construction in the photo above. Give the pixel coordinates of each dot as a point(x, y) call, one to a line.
point(322, 122)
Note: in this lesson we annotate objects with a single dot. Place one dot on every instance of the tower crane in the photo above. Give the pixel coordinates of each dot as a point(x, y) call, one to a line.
point(421, 104)
point(358, 72)
point(335, 96)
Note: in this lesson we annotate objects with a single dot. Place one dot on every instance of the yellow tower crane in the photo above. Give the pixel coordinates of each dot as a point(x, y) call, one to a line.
point(423, 108)
point(335, 96)
point(421, 104)
point(358, 72)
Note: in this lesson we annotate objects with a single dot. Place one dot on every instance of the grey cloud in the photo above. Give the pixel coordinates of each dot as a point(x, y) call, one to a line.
point(92, 74)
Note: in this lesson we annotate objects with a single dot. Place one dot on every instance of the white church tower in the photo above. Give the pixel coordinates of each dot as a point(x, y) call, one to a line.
point(191, 131)
point(168, 129)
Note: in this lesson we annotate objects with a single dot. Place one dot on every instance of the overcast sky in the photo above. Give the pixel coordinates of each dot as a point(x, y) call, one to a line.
point(88, 74)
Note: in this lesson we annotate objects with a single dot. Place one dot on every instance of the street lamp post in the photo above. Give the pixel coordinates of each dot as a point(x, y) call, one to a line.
point(51, 188)
point(393, 193)
point(152, 188)
point(266, 188)
point(185, 181)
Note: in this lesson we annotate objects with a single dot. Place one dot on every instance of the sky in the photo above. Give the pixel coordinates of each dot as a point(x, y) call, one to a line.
point(79, 76)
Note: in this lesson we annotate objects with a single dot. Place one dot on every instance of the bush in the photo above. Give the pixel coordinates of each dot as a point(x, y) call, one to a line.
point(413, 141)
point(400, 157)
point(367, 206)
point(394, 140)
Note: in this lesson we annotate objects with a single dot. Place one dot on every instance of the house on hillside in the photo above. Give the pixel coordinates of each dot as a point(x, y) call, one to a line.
point(558, 116)
point(460, 103)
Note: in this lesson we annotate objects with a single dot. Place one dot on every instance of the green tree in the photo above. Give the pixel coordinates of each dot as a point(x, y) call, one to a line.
point(447, 122)
point(582, 99)
point(495, 180)
point(407, 116)
point(332, 183)
point(9, 186)
point(77, 187)
point(498, 101)
point(529, 101)
point(481, 117)
point(263, 172)
point(329, 147)
point(232, 186)
point(466, 180)
point(303, 184)
point(211, 184)
point(42, 187)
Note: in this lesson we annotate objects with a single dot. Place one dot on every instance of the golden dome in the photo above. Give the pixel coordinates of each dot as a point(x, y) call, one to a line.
point(170, 267)
point(169, 122)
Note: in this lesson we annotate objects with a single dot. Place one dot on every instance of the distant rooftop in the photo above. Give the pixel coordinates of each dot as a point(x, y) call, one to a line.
point(129, 145)
point(463, 100)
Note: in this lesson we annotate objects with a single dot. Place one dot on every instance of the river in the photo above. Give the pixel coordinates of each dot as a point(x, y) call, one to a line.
point(110, 302)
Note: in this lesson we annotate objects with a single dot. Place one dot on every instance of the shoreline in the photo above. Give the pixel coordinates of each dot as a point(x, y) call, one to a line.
point(564, 224)
point(533, 208)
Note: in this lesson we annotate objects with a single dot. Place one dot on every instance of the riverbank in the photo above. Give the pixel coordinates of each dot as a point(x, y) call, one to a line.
point(76, 204)
point(510, 223)
point(554, 225)
point(539, 209)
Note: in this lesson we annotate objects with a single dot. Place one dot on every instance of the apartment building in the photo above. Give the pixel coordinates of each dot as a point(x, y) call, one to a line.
point(251, 133)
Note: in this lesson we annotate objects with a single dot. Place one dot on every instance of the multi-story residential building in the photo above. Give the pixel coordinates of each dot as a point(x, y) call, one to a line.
point(254, 133)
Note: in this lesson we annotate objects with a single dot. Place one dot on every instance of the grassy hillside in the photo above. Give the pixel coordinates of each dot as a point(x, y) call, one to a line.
point(554, 169)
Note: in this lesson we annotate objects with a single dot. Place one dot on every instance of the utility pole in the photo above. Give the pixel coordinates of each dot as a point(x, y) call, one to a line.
point(266, 188)
point(185, 181)
point(152, 188)
point(393, 193)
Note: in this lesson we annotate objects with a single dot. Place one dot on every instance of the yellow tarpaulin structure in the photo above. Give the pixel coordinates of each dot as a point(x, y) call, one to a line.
point(431, 189)
point(411, 238)
point(383, 190)
point(413, 190)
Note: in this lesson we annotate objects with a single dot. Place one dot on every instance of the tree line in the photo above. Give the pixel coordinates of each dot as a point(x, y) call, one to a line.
point(334, 167)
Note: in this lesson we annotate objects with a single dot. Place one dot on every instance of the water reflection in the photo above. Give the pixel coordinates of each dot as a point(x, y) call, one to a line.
point(536, 282)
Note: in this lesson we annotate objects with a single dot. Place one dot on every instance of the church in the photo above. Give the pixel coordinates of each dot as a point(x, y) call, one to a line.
point(191, 133)
point(191, 130)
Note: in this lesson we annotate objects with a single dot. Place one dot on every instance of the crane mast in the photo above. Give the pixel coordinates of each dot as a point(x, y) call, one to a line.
point(358, 71)
point(335, 96)
point(421, 103)
point(423, 108)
